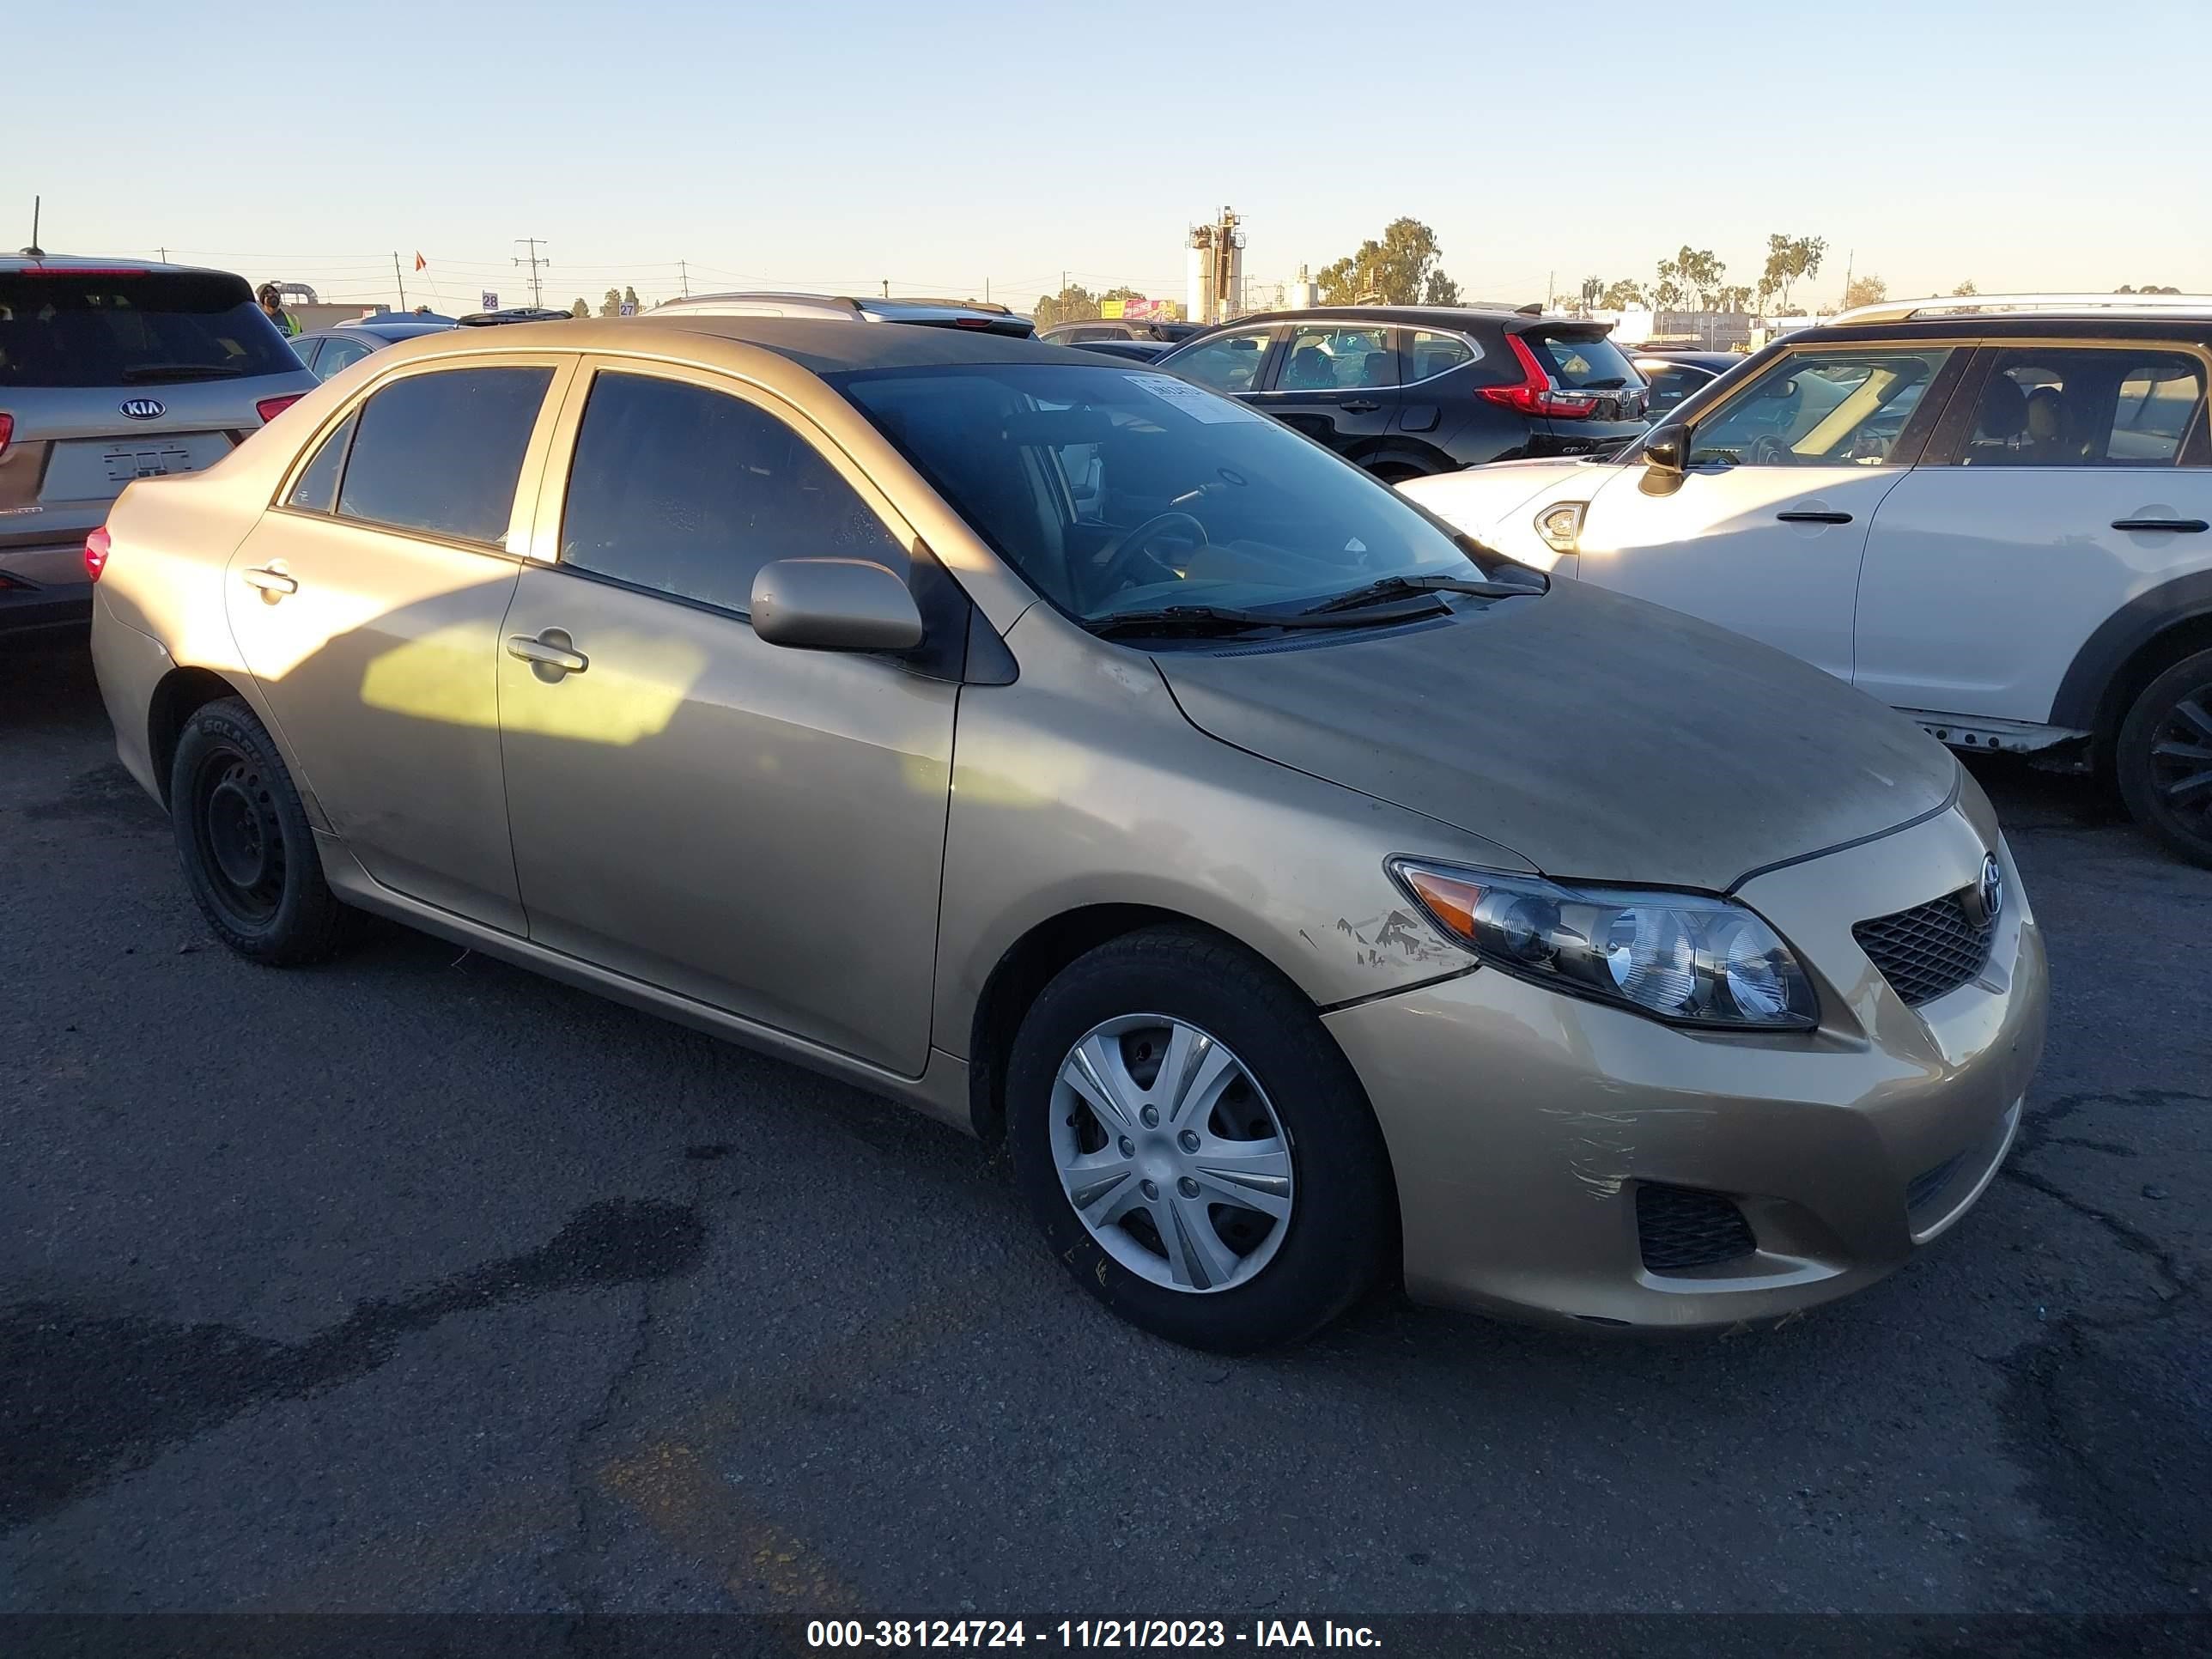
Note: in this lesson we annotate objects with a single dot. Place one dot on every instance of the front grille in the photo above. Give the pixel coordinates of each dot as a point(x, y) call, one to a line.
point(1679, 1228)
point(1931, 1183)
point(1926, 951)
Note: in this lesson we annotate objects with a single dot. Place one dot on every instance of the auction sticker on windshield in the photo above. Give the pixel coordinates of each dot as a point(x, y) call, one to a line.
point(1198, 405)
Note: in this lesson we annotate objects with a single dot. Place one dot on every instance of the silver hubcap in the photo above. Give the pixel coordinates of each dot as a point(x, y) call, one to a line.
point(1170, 1153)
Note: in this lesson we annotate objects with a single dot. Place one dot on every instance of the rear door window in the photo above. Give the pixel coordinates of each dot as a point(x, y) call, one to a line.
point(316, 489)
point(2085, 406)
point(441, 451)
point(1581, 360)
point(134, 328)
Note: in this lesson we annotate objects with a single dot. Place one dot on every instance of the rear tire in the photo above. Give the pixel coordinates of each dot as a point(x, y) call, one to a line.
point(1286, 1171)
point(248, 851)
point(2163, 758)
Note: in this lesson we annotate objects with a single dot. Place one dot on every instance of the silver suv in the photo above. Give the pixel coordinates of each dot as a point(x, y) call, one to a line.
point(109, 372)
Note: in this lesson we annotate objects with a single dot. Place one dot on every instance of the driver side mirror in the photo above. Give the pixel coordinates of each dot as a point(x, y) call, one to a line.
point(834, 605)
point(1667, 448)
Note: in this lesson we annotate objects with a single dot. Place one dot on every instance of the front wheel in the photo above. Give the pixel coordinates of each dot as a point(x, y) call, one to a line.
point(1198, 1153)
point(2163, 758)
point(248, 850)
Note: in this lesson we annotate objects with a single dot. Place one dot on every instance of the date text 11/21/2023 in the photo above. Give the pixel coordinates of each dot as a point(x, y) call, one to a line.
point(1085, 1634)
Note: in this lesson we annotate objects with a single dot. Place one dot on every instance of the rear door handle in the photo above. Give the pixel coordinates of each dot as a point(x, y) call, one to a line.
point(550, 655)
point(274, 583)
point(2181, 526)
point(1809, 517)
point(1361, 406)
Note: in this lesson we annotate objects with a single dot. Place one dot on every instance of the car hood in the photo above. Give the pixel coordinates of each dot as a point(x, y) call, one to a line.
point(1601, 738)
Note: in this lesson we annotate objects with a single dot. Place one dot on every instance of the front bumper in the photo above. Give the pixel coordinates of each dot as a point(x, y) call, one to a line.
point(1522, 1123)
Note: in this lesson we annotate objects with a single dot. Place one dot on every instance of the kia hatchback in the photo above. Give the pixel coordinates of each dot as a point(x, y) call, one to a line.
point(110, 373)
point(1307, 896)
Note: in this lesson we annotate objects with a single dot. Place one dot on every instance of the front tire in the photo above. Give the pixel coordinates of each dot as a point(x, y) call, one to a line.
point(1198, 1152)
point(2163, 758)
point(247, 848)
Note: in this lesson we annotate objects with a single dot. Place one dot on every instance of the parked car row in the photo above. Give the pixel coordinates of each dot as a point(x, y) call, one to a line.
point(1306, 894)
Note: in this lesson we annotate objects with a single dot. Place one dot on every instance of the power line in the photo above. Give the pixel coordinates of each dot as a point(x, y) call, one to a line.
point(537, 290)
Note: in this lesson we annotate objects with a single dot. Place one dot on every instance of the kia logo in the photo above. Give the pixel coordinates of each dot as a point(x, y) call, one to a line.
point(143, 409)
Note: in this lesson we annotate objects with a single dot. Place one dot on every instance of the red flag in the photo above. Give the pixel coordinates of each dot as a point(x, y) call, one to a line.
point(419, 260)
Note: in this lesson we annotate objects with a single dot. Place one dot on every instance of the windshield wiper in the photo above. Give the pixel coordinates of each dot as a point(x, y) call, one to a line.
point(1393, 587)
point(181, 372)
point(1205, 619)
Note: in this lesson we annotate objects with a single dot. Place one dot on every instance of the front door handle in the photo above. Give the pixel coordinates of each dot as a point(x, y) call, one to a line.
point(272, 580)
point(551, 654)
point(1361, 406)
point(1808, 516)
point(2180, 526)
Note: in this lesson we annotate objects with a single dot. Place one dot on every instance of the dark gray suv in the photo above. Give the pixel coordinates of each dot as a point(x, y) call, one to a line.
point(112, 371)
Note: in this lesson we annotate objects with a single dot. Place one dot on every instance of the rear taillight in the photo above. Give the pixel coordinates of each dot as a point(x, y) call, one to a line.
point(7, 431)
point(269, 408)
point(1536, 395)
point(95, 553)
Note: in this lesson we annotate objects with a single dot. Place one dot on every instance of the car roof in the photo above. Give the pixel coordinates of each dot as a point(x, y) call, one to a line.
point(1997, 326)
point(1434, 316)
point(385, 328)
point(12, 263)
point(819, 345)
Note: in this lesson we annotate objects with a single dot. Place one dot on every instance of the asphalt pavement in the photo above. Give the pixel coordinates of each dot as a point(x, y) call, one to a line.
point(416, 1282)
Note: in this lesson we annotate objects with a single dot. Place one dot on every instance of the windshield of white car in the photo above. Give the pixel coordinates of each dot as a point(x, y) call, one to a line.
point(1115, 490)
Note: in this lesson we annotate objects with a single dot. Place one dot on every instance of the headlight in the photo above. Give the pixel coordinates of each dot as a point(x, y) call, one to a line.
point(1683, 957)
point(1561, 525)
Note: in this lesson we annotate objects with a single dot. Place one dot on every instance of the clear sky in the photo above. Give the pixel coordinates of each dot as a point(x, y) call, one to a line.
point(835, 144)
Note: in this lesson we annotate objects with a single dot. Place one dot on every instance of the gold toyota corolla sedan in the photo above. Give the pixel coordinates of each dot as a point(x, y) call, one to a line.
point(1307, 895)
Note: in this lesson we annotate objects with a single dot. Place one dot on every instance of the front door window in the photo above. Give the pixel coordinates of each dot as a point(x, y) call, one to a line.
point(1821, 409)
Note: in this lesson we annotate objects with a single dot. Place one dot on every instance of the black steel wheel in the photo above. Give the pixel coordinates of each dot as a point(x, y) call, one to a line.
point(247, 848)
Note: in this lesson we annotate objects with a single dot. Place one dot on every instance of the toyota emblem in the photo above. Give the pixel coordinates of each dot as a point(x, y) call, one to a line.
point(144, 409)
point(1986, 903)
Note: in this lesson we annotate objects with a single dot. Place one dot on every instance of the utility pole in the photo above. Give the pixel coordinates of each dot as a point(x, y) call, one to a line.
point(164, 252)
point(683, 275)
point(1550, 283)
point(1850, 260)
point(398, 278)
point(536, 294)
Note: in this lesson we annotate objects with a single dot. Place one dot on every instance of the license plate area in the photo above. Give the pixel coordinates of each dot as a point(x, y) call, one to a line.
point(97, 469)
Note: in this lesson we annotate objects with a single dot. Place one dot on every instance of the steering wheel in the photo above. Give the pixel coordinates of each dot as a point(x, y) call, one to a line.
point(1767, 450)
point(1113, 560)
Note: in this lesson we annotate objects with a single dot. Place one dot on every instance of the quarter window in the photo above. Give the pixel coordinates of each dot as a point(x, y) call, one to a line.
point(1815, 409)
point(1339, 360)
point(339, 354)
point(441, 451)
point(1230, 363)
point(689, 492)
point(316, 489)
point(1439, 354)
point(2087, 407)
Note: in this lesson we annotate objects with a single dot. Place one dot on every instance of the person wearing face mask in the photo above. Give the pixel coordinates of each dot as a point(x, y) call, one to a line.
point(272, 307)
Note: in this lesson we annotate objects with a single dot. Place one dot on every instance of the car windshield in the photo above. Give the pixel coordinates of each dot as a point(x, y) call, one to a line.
point(1115, 490)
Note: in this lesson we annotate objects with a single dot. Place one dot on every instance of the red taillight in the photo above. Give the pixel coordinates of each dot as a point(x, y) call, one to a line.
point(7, 431)
point(66, 273)
point(269, 408)
point(1536, 395)
point(95, 552)
point(971, 322)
